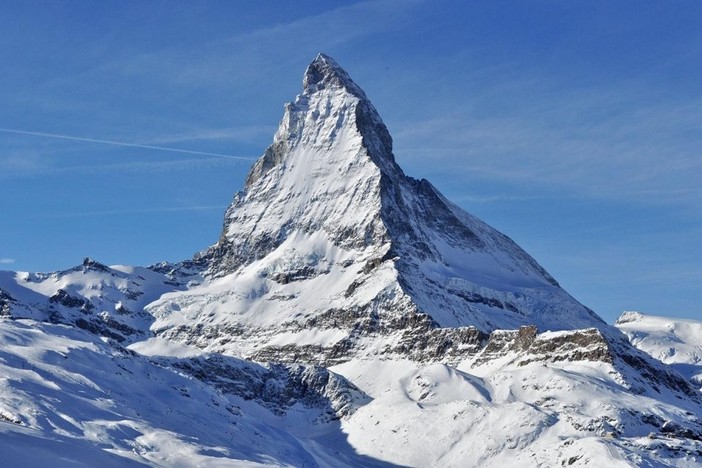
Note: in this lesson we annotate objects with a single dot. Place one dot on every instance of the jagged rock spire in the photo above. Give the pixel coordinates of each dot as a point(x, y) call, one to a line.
point(322, 172)
point(330, 104)
point(325, 73)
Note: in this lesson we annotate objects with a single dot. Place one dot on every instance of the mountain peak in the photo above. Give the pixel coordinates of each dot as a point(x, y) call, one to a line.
point(328, 202)
point(331, 109)
point(324, 73)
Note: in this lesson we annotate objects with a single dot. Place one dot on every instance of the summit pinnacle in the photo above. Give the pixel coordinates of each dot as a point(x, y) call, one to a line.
point(324, 72)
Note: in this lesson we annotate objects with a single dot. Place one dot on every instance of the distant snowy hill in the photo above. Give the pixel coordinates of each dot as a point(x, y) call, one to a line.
point(349, 315)
point(677, 342)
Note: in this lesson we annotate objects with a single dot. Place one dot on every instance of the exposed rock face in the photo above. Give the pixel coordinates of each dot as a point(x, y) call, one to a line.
point(278, 387)
point(65, 299)
point(576, 345)
point(314, 176)
point(5, 304)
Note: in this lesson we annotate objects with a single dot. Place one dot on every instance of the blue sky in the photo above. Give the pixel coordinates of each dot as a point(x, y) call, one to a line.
point(573, 127)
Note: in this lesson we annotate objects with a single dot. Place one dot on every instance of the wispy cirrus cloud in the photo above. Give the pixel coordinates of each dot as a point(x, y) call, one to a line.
point(12, 170)
point(237, 61)
point(252, 56)
point(495, 198)
point(171, 209)
point(120, 143)
point(6, 261)
point(244, 133)
point(586, 142)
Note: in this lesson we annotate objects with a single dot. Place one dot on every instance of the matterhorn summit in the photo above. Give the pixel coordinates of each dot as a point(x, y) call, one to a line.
point(349, 315)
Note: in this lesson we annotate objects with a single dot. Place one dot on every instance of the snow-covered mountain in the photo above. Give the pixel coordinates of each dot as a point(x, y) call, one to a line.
point(330, 250)
point(677, 342)
point(349, 315)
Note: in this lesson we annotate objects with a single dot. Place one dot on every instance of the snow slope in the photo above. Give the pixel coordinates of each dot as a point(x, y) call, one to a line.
point(677, 342)
point(72, 397)
point(69, 398)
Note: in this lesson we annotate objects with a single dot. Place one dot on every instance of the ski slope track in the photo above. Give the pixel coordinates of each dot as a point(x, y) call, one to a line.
point(348, 315)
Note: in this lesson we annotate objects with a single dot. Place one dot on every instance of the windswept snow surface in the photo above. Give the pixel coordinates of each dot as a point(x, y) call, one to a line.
point(71, 397)
point(68, 397)
point(507, 413)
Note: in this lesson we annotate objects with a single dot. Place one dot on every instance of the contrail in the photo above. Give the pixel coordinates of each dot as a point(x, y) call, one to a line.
point(138, 211)
point(121, 143)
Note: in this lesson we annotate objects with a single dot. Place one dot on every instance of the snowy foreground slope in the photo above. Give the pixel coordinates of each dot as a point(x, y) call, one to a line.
point(69, 397)
point(349, 315)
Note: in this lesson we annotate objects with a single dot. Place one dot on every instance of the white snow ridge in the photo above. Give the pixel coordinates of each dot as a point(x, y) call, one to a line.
point(349, 315)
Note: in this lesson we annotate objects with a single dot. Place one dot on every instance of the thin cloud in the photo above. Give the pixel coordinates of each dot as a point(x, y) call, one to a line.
point(36, 169)
point(495, 198)
point(254, 55)
point(121, 143)
point(244, 133)
point(144, 166)
point(86, 214)
point(6, 261)
point(623, 150)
